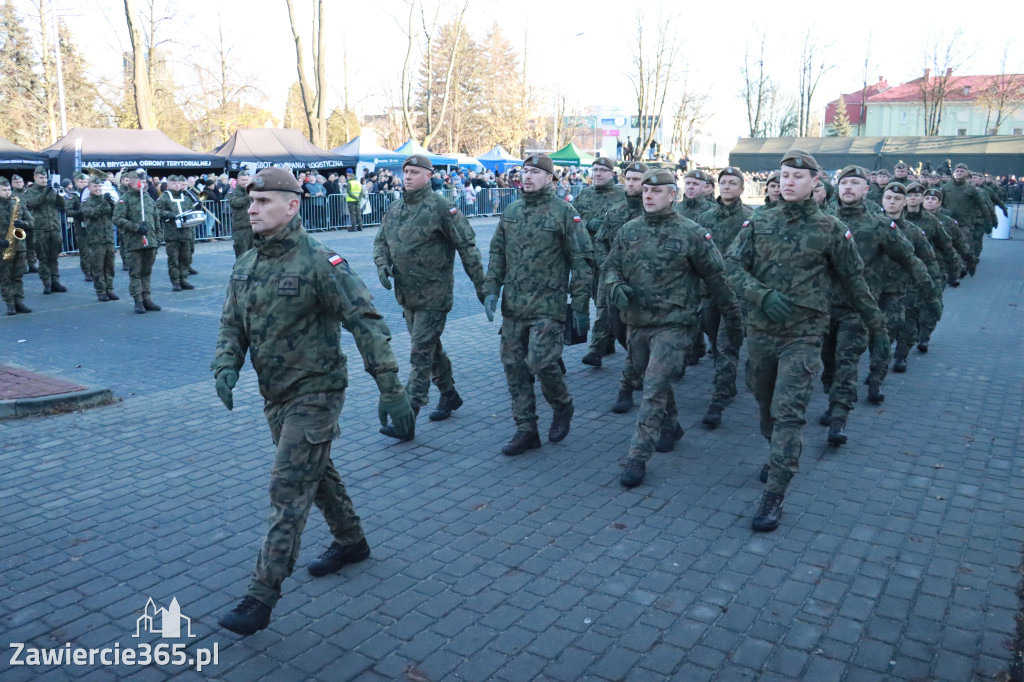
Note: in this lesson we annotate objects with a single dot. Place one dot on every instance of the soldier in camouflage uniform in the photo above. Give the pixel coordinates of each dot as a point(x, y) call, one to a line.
point(73, 211)
point(968, 207)
point(13, 270)
point(948, 262)
point(136, 219)
point(285, 303)
point(655, 273)
point(539, 241)
point(987, 185)
point(593, 202)
point(882, 248)
point(772, 192)
point(98, 212)
point(608, 226)
point(170, 205)
point(238, 202)
point(783, 263)
point(46, 203)
point(695, 201)
point(18, 192)
point(416, 245)
point(901, 173)
point(932, 203)
point(878, 185)
point(724, 223)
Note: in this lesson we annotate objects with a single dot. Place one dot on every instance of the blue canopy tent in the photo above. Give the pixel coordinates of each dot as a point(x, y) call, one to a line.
point(411, 147)
point(468, 162)
point(499, 160)
point(369, 155)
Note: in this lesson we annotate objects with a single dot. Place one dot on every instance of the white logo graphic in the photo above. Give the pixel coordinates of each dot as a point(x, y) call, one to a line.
point(170, 620)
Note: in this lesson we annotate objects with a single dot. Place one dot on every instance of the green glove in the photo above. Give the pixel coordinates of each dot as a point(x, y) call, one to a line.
point(880, 346)
point(778, 307)
point(383, 272)
point(490, 305)
point(622, 296)
point(226, 381)
point(580, 323)
point(396, 406)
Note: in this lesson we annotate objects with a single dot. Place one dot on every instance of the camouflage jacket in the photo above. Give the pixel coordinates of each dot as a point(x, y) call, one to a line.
point(875, 193)
point(418, 239)
point(666, 259)
point(725, 220)
point(239, 202)
point(98, 214)
point(170, 206)
point(942, 245)
point(73, 207)
point(922, 248)
point(957, 237)
point(285, 305)
point(45, 204)
point(799, 251)
point(990, 206)
point(539, 240)
point(128, 215)
point(593, 202)
point(6, 206)
point(612, 221)
point(994, 195)
point(692, 208)
point(887, 254)
point(964, 202)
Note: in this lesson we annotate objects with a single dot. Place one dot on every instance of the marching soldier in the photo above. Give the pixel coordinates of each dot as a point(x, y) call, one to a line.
point(171, 205)
point(933, 204)
point(970, 210)
point(98, 213)
point(238, 202)
point(45, 203)
point(18, 192)
point(73, 211)
point(12, 270)
point(136, 218)
point(695, 201)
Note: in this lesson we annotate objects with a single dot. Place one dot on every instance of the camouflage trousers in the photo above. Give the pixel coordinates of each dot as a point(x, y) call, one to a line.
point(780, 374)
point(630, 380)
point(355, 214)
point(178, 259)
point(48, 246)
point(725, 356)
point(978, 239)
point(910, 332)
point(658, 354)
point(531, 348)
point(242, 238)
point(303, 475)
point(30, 246)
point(844, 343)
point(892, 307)
point(427, 359)
point(101, 266)
point(601, 335)
point(12, 272)
point(82, 242)
point(140, 269)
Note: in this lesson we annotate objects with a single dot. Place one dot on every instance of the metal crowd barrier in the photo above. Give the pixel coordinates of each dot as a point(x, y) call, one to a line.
point(329, 213)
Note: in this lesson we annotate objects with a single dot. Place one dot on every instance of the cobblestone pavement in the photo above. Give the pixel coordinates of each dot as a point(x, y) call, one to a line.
point(896, 558)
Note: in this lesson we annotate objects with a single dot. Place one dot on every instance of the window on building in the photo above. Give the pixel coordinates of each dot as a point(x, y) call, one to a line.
point(903, 117)
point(961, 131)
point(990, 131)
point(967, 89)
point(1018, 131)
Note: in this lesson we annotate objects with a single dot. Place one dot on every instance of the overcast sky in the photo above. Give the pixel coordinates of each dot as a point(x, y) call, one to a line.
point(584, 54)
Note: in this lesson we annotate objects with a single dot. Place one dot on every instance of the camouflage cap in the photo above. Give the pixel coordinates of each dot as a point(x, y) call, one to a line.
point(419, 161)
point(274, 179)
point(934, 192)
point(733, 171)
point(897, 187)
point(636, 167)
point(961, 165)
point(852, 171)
point(542, 161)
point(698, 174)
point(604, 162)
point(774, 177)
point(39, 170)
point(798, 158)
point(659, 176)
point(915, 188)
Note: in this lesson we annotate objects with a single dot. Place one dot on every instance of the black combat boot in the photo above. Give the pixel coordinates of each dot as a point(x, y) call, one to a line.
point(58, 288)
point(175, 286)
point(139, 307)
point(46, 289)
point(826, 417)
point(391, 432)
point(768, 515)
point(593, 359)
point(337, 556)
point(11, 310)
point(634, 473)
point(922, 347)
point(250, 616)
point(88, 278)
point(186, 285)
point(875, 394)
point(112, 296)
point(521, 442)
point(899, 364)
point(624, 403)
point(102, 298)
point(713, 419)
point(837, 431)
point(560, 423)
point(670, 434)
point(20, 307)
point(148, 303)
point(448, 403)
point(32, 267)
point(192, 270)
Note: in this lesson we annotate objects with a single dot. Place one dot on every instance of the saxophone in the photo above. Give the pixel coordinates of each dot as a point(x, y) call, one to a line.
point(13, 233)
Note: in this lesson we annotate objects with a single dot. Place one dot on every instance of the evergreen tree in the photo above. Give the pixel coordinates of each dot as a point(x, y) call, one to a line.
point(841, 121)
point(20, 86)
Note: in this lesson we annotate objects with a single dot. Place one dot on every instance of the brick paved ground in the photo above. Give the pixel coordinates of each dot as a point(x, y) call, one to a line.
point(895, 560)
point(20, 383)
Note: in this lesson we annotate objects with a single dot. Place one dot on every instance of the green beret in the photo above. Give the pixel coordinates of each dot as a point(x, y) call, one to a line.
point(4, 182)
point(882, 171)
point(933, 192)
point(16, 177)
point(897, 187)
point(900, 164)
point(96, 180)
point(419, 161)
point(79, 175)
point(274, 179)
point(636, 167)
point(733, 171)
point(698, 174)
point(39, 170)
point(659, 176)
point(241, 173)
point(774, 177)
point(542, 161)
point(961, 165)
point(798, 158)
point(131, 175)
point(605, 162)
point(852, 171)
point(915, 188)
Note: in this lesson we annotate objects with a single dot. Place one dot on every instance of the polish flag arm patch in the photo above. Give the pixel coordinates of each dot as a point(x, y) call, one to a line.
point(707, 235)
point(335, 259)
point(745, 223)
point(848, 235)
point(453, 210)
point(576, 219)
point(892, 224)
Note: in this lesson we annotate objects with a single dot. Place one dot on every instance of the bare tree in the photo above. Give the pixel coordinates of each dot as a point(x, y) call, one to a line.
point(756, 91)
point(1003, 95)
point(653, 73)
point(689, 114)
point(314, 99)
point(139, 71)
point(863, 118)
point(943, 58)
point(812, 67)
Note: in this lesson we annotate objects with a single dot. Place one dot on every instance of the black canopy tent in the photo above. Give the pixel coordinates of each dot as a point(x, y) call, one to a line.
point(12, 156)
point(755, 154)
point(263, 147)
point(115, 148)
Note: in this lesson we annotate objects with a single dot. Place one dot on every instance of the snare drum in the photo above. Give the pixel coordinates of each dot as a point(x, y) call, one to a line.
point(192, 219)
